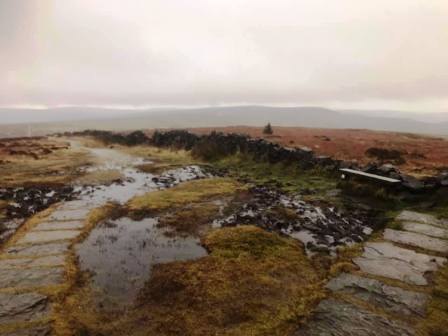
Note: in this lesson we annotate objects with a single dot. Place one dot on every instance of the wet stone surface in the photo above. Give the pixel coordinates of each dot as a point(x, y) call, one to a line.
point(120, 254)
point(137, 183)
point(8, 228)
point(31, 277)
point(389, 298)
point(40, 249)
point(70, 225)
point(417, 240)
point(57, 260)
point(388, 260)
point(22, 307)
point(429, 230)
point(69, 214)
point(320, 227)
point(412, 216)
point(337, 318)
point(48, 236)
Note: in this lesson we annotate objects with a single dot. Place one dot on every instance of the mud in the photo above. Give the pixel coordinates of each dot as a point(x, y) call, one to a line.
point(26, 201)
point(321, 227)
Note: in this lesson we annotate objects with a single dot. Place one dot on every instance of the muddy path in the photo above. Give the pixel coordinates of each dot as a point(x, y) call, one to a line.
point(67, 272)
point(35, 262)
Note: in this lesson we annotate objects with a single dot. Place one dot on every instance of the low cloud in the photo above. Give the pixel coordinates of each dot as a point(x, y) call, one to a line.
point(331, 53)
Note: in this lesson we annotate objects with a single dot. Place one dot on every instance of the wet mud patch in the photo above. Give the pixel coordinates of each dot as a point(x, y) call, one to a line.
point(18, 204)
point(194, 219)
point(320, 226)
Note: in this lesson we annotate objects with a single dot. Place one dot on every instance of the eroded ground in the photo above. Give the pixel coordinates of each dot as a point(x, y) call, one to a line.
point(154, 242)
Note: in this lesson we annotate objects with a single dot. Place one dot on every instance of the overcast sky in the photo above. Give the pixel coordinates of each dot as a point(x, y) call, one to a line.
point(344, 53)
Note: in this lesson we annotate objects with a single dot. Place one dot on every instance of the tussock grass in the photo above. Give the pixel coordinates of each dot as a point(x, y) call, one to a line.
point(3, 206)
point(57, 168)
point(160, 155)
point(101, 177)
point(252, 283)
point(182, 194)
point(436, 323)
point(191, 219)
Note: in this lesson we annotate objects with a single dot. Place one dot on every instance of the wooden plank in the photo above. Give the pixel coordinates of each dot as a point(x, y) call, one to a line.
point(373, 176)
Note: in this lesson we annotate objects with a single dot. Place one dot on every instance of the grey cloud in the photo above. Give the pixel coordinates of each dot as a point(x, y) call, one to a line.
point(219, 52)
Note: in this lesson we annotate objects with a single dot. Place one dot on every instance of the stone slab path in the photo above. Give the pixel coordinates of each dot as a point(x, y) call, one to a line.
point(367, 303)
point(32, 265)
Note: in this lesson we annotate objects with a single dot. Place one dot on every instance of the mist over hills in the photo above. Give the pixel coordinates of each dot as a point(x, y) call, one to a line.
point(76, 118)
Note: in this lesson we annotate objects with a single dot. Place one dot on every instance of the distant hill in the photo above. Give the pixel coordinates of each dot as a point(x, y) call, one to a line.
point(82, 118)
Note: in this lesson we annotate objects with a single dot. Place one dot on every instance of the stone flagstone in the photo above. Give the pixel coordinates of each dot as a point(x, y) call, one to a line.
point(338, 318)
point(389, 298)
point(429, 230)
point(69, 214)
point(412, 216)
point(31, 277)
point(417, 240)
point(48, 236)
point(35, 250)
point(22, 307)
point(387, 260)
point(57, 260)
point(70, 225)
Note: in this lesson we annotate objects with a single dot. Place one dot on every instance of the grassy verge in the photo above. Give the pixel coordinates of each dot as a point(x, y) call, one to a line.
point(436, 323)
point(183, 194)
point(58, 168)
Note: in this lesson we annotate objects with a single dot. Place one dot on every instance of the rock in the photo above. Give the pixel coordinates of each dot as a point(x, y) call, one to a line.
point(70, 225)
point(413, 216)
point(387, 260)
point(444, 180)
point(57, 260)
point(338, 318)
point(391, 299)
point(412, 183)
point(69, 214)
point(31, 277)
point(387, 168)
point(417, 240)
point(22, 307)
point(272, 209)
point(47, 236)
point(426, 229)
point(41, 249)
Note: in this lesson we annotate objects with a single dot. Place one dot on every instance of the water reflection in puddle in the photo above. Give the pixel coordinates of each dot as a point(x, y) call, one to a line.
point(120, 255)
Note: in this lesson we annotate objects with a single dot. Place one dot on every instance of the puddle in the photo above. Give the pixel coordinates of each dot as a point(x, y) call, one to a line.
point(120, 254)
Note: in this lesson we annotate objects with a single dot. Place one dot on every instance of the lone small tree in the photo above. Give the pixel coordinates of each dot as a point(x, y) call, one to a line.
point(268, 129)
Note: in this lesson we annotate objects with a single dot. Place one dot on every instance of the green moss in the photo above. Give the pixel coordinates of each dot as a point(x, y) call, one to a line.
point(289, 177)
